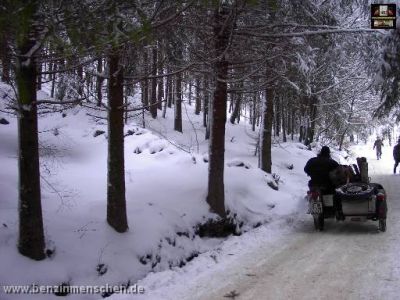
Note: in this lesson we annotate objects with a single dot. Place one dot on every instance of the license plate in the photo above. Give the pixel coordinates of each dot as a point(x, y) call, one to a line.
point(315, 208)
point(358, 219)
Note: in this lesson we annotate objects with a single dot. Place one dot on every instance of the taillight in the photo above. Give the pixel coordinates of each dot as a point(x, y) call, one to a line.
point(380, 197)
point(313, 195)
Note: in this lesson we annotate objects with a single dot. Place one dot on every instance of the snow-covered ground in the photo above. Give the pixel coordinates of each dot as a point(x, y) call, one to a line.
point(166, 185)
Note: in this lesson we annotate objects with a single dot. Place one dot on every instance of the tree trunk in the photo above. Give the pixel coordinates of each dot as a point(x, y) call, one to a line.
point(178, 104)
point(116, 203)
point(190, 92)
point(289, 128)
point(160, 91)
point(236, 110)
point(164, 112)
point(205, 102)
point(292, 122)
point(79, 73)
point(277, 117)
point(169, 90)
point(39, 76)
point(209, 120)
point(206, 111)
point(153, 100)
point(145, 90)
point(31, 237)
point(254, 116)
point(198, 98)
point(5, 57)
point(174, 91)
point(313, 120)
point(341, 140)
point(53, 78)
point(283, 124)
point(231, 104)
point(126, 102)
point(89, 82)
point(266, 132)
point(216, 193)
point(302, 133)
point(99, 83)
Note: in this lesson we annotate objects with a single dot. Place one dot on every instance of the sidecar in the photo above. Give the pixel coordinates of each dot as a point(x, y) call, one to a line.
point(356, 201)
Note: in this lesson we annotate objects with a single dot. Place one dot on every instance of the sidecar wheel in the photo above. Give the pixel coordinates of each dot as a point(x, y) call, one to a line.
point(382, 225)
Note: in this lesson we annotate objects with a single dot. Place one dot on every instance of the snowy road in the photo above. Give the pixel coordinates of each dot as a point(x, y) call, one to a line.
point(349, 260)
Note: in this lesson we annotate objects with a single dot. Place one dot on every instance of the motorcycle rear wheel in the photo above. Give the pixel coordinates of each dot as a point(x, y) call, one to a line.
point(319, 222)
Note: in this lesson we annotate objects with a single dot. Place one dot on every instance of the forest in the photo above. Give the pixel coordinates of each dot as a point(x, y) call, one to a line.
point(310, 72)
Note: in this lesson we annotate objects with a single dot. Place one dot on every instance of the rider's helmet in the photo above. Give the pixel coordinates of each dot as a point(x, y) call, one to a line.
point(325, 151)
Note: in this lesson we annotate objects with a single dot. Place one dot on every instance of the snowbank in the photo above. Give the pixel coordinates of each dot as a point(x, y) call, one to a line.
point(165, 191)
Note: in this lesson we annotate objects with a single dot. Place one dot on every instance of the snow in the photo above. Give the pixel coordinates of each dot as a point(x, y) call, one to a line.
point(282, 267)
point(166, 188)
point(239, 258)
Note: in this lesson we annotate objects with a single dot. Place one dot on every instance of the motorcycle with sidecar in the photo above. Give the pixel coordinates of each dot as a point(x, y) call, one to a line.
point(358, 201)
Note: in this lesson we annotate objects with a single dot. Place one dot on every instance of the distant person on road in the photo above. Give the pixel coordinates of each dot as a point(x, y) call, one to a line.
point(318, 168)
point(396, 155)
point(378, 146)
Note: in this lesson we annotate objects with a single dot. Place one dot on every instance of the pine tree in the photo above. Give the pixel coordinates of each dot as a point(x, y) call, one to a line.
point(31, 236)
point(223, 24)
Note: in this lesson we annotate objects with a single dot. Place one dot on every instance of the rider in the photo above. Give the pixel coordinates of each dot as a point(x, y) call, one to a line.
point(378, 145)
point(396, 156)
point(318, 168)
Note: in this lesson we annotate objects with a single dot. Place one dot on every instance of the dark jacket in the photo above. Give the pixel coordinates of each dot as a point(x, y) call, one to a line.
point(318, 168)
point(378, 144)
point(396, 152)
